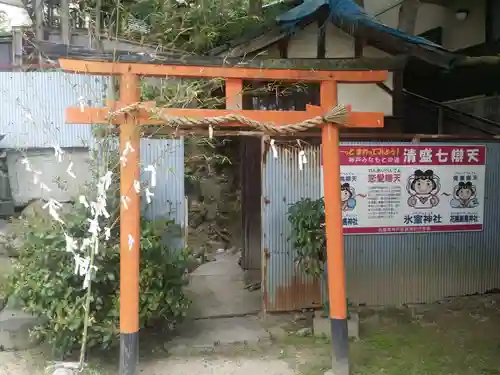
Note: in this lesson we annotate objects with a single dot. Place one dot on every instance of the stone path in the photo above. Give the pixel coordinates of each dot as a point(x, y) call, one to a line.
point(218, 289)
point(191, 366)
point(24, 363)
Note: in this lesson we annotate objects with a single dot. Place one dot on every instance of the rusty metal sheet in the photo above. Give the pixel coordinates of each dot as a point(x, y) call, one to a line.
point(381, 269)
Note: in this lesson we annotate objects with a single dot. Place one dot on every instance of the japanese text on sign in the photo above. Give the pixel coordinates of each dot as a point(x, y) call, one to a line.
point(413, 188)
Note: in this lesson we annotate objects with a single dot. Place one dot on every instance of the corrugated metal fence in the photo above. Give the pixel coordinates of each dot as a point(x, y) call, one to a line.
point(32, 108)
point(381, 269)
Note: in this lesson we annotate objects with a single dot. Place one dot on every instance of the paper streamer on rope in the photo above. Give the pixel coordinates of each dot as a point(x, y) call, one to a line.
point(71, 244)
point(52, 205)
point(137, 186)
point(130, 242)
point(69, 170)
point(107, 233)
point(149, 194)
point(128, 149)
point(274, 149)
point(125, 201)
point(26, 164)
point(81, 100)
point(302, 159)
point(58, 153)
point(94, 226)
point(36, 178)
point(151, 168)
point(45, 187)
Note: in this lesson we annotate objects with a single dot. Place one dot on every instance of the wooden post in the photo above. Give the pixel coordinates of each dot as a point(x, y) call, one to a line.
point(65, 22)
point(407, 18)
point(129, 230)
point(334, 235)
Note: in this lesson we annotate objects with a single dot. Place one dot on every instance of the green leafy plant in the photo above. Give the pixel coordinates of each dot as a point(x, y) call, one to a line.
point(307, 217)
point(44, 282)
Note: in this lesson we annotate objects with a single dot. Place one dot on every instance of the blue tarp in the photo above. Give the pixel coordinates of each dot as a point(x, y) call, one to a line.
point(347, 13)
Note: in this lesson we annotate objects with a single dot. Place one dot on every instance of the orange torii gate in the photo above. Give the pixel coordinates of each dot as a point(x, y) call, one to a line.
point(234, 74)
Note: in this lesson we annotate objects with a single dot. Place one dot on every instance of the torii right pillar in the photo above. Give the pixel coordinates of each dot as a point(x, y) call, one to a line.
point(330, 141)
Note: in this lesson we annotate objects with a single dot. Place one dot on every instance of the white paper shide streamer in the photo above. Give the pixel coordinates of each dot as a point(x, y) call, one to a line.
point(98, 209)
point(302, 159)
point(274, 149)
point(127, 150)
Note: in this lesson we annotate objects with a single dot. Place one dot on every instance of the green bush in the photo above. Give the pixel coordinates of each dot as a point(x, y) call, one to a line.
point(45, 283)
point(307, 217)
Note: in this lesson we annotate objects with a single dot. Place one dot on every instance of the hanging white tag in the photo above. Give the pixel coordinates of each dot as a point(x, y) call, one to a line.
point(210, 132)
point(137, 186)
point(130, 242)
point(151, 168)
point(301, 160)
point(274, 149)
point(81, 99)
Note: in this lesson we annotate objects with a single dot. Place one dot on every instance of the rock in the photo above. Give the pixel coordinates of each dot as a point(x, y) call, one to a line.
point(63, 368)
point(173, 237)
point(15, 327)
point(211, 211)
point(214, 246)
point(35, 209)
point(6, 208)
point(303, 332)
point(277, 333)
point(5, 270)
point(209, 257)
point(9, 242)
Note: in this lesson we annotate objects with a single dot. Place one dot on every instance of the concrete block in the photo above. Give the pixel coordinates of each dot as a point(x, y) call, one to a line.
point(322, 327)
point(5, 193)
point(15, 327)
point(6, 208)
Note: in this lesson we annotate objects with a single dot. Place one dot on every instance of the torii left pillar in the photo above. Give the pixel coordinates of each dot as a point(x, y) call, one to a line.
point(130, 138)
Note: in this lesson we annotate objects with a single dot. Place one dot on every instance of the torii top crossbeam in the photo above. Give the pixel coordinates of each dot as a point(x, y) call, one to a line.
point(130, 66)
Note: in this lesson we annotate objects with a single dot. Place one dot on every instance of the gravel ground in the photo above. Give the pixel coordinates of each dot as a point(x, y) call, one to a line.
point(31, 363)
point(21, 363)
point(191, 366)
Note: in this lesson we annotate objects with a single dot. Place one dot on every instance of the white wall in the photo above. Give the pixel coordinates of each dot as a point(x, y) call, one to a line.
point(456, 34)
point(362, 97)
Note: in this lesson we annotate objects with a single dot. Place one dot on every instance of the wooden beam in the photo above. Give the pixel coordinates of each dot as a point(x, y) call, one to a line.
point(74, 115)
point(408, 12)
point(109, 68)
point(234, 94)
point(125, 59)
point(277, 35)
point(359, 40)
point(321, 46)
point(283, 47)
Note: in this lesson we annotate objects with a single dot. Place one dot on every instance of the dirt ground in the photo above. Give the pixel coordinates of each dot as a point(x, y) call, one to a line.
point(459, 336)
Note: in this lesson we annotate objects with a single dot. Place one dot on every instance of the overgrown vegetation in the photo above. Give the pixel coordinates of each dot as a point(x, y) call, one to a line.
point(47, 283)
point(307, 217)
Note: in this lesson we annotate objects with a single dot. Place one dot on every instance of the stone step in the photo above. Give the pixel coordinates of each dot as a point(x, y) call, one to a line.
point(15, 326)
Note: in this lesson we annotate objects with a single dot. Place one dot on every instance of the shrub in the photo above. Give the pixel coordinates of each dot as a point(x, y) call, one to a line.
point(45, 283)
point(307, 217)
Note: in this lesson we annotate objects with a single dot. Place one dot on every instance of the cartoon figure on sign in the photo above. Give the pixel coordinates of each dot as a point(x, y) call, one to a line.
point(464, 196)
point(423, 188)
point(347, 197)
